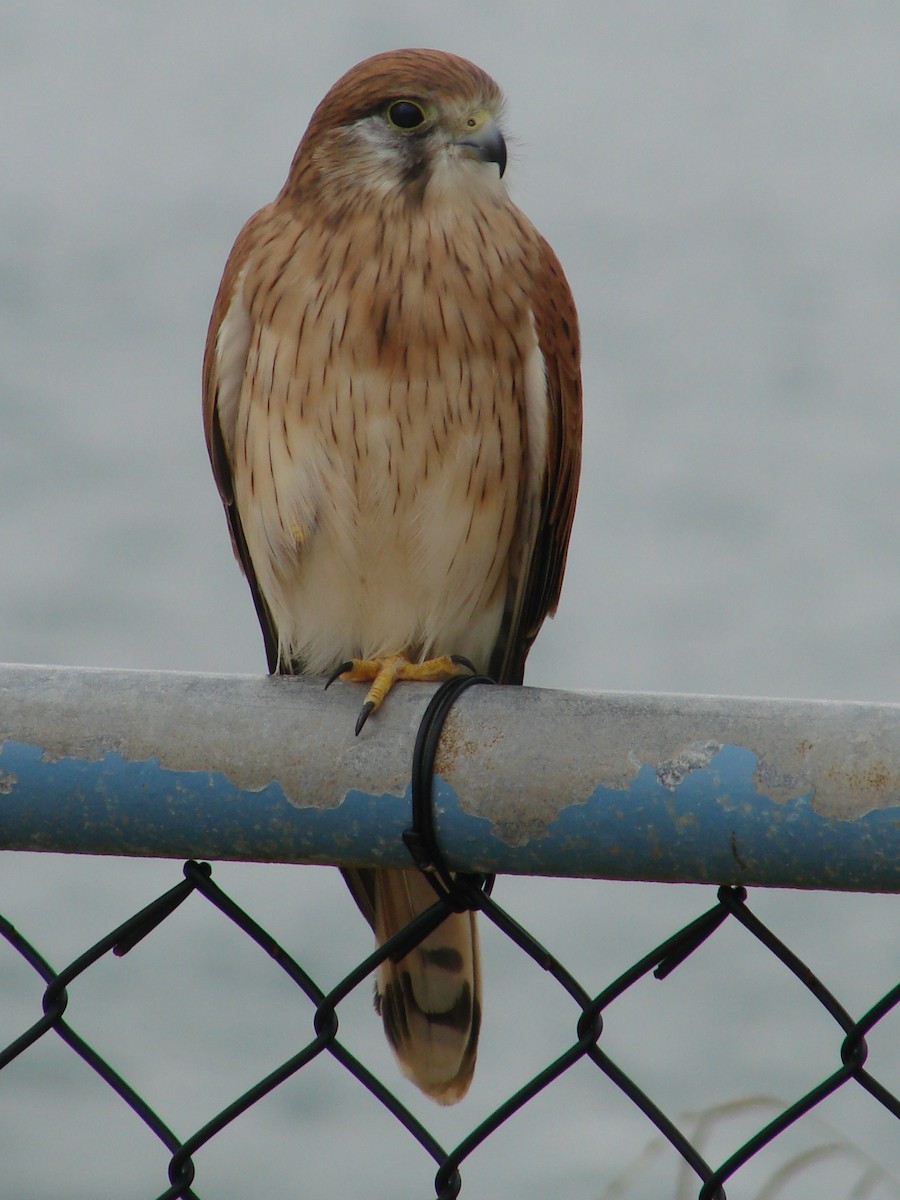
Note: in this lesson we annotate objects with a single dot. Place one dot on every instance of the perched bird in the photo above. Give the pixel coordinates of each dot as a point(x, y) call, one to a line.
point(392, 407)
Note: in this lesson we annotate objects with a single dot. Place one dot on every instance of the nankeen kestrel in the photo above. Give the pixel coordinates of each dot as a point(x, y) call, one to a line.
point(392, 405)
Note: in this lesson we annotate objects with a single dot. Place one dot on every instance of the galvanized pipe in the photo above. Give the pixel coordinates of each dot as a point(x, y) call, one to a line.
point(653, 787)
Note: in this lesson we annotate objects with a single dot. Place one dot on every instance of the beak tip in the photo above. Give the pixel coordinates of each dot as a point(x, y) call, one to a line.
point(488, 145)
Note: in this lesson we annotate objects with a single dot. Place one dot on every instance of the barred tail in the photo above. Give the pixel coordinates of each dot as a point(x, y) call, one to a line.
point(430, 1000)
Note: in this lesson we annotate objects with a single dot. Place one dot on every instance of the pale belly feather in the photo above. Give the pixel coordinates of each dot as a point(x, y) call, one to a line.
point(385, 522)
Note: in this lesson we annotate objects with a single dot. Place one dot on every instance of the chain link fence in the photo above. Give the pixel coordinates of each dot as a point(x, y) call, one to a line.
point(852, 1066)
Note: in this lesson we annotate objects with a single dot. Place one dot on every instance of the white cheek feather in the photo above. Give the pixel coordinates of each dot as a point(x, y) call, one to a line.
point(372, 156)
point(458, 177)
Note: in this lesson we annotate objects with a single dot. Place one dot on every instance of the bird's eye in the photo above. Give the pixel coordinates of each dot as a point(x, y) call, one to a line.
point(405, 114)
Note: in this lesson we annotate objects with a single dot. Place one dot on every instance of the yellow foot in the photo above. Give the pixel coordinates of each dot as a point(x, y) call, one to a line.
point(383, 673)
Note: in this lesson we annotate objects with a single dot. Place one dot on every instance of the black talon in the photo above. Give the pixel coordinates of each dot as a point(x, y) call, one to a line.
point(337, 673)
point(464, 662)
point(367, 709)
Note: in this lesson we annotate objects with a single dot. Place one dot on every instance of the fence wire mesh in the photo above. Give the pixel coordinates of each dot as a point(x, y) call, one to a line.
point(851, 1067)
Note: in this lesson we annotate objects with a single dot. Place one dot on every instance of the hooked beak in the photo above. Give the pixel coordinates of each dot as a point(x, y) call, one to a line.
point(483, 137)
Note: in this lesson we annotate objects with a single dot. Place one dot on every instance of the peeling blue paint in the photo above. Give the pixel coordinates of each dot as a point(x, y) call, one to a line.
point(714, 827)
point(111, 805)
point(710, 826)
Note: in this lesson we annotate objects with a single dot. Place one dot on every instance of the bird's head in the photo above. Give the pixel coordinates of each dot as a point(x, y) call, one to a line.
point(405, 123)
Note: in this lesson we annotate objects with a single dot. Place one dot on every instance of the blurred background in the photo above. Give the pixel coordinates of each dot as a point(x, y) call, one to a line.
point(722, 185)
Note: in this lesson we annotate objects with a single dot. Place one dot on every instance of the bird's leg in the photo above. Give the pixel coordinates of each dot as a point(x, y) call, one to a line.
point(383, 673)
